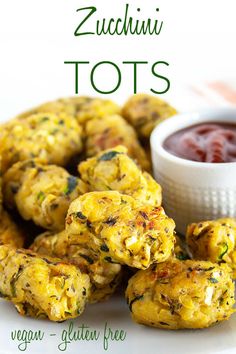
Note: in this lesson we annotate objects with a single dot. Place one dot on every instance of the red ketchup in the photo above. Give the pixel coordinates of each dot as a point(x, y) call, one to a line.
point(208, 142)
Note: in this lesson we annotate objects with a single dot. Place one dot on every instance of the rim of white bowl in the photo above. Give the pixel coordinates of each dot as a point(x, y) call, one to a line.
point(187, 119)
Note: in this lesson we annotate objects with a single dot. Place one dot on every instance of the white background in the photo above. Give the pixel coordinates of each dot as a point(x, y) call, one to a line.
point(36, 37)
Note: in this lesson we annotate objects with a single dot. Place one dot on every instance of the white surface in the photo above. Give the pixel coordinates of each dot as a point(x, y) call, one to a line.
point(139, 339)
point(193, 191)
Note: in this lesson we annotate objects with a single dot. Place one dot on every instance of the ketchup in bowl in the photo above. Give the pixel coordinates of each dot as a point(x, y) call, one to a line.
point(208, 142)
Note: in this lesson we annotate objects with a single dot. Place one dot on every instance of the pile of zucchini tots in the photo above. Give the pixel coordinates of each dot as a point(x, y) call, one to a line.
point(80, 215)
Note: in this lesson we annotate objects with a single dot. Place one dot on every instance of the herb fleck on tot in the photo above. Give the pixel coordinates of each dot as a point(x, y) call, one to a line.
point(104, 248)
point(108, 156)
point(41, 196)
point(224, 250)
point(80, 215)
point(71, 185)
point(44, 119)
point(87, 258)
point(110, 221)
point(182, 256)
point(213, 280)
point(109, 260)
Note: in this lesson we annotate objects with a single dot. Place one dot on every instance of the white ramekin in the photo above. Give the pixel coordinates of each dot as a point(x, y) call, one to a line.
point(193, 191)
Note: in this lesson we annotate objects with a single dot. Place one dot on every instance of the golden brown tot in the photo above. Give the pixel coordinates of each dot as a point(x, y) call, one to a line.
point(52, 138)
point(121, 229)
point(41, 193)
point(181, 294)
point(144, 112)
point(82, 108)
point(214, 240)
point(110, 131)
point(104, 276)
point(113, 169)
point(42, 286)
